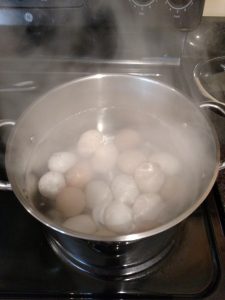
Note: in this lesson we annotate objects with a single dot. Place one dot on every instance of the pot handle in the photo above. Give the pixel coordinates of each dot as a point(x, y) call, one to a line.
point(4, 185)
point(220, 109)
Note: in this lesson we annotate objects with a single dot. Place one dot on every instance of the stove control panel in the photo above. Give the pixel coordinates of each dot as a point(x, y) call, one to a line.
point(181, 14)
point(143, 3)
point(179, 4)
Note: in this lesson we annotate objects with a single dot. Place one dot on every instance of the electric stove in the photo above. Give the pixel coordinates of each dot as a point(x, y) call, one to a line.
point(194, 265)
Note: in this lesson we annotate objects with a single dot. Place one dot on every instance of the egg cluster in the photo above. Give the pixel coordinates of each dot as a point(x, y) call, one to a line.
point(110, 186)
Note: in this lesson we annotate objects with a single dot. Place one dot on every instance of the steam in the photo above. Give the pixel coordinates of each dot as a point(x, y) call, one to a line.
point(114, 32)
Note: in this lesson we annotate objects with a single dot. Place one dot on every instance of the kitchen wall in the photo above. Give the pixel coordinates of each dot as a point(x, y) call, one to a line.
point(214, 8)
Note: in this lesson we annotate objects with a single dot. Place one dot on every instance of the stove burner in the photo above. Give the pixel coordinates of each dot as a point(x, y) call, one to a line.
point(113, 260)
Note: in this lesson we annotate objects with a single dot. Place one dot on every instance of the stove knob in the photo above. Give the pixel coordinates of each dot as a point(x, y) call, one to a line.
point(179, 4)
point(142, 6)
point(186, 14)
point(142, 3)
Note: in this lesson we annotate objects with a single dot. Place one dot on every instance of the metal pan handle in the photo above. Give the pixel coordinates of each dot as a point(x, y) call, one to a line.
point(4, 185)
point(219, 109)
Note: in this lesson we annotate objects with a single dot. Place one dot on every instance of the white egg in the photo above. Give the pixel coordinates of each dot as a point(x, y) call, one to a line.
point(89, 142)
point(149, 210)
point(149, 177)
point(118, 218)
point(98, 214)
point(127, 139)
point(61, 161)
point(129, 160)
point(80, 174)
point(70, 201)
point(168, 163)
point(97, 193)
point(50, 184)
point(81, 224)
point(125, 189)
point(104, 158)
point(109, 176)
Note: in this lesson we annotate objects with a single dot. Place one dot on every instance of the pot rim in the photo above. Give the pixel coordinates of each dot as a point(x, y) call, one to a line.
point(118, 238)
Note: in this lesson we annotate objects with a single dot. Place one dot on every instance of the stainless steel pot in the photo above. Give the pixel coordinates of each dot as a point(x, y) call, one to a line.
point(100, 92)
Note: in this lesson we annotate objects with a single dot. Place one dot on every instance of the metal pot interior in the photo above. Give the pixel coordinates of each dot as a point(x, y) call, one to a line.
point(166, 119)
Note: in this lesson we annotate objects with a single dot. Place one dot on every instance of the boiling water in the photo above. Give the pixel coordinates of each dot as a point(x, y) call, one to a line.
point(178, 192)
